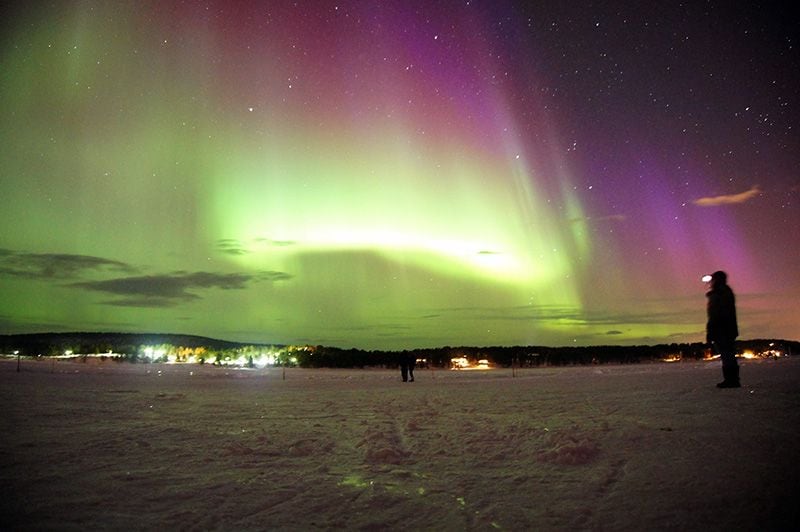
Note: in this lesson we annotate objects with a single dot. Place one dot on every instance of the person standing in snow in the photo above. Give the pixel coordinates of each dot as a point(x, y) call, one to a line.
point(407, 362)
point(722, 329)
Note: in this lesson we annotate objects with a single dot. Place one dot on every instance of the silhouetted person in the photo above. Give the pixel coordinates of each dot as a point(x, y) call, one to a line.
point(722, 329)
point(407, 363)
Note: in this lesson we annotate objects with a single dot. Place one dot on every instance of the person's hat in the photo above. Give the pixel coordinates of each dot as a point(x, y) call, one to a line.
point(719, 276)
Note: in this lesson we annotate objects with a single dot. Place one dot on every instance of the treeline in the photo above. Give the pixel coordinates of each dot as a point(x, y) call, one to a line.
point(180, 348)
point(530, 356)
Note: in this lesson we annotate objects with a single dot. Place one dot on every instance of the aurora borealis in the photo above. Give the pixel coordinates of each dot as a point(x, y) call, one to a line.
point(397, 174)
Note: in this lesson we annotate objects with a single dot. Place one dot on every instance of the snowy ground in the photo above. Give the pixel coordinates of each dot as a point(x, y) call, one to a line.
point(120, 446)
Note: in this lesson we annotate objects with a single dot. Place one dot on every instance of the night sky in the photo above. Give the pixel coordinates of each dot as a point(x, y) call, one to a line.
point(399, 174)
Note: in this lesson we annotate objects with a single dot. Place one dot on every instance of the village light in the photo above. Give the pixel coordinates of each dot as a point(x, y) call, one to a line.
point(459, 363)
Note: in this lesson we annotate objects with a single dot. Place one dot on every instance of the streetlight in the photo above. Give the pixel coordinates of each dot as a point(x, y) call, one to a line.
point(18, 359)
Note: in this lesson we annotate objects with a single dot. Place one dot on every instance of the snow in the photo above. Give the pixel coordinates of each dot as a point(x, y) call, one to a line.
point(109, 445)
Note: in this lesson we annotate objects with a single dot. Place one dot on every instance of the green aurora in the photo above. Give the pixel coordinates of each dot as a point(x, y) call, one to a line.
point(170, 168)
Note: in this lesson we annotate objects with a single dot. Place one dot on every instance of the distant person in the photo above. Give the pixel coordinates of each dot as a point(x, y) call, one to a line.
point(407, 363)
point(722, 329)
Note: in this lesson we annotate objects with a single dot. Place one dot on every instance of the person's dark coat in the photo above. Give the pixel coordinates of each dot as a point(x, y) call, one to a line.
point(722, 324)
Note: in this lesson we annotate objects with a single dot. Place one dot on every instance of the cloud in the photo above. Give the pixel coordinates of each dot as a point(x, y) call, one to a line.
point(29, 324)
point(276, 243)
point(148, 302)
point(728, 199)
point(231, 246)
point(574, 315)
point(161, 290)
point(518, 313)
point(273, 276)
point(55, 265)
point(167, 290)
point(173, 285)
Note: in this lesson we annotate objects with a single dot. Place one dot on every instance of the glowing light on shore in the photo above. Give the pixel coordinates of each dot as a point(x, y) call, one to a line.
point(463, 364)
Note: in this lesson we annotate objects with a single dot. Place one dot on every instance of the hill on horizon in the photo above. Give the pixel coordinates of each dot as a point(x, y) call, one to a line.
point(89, 342)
